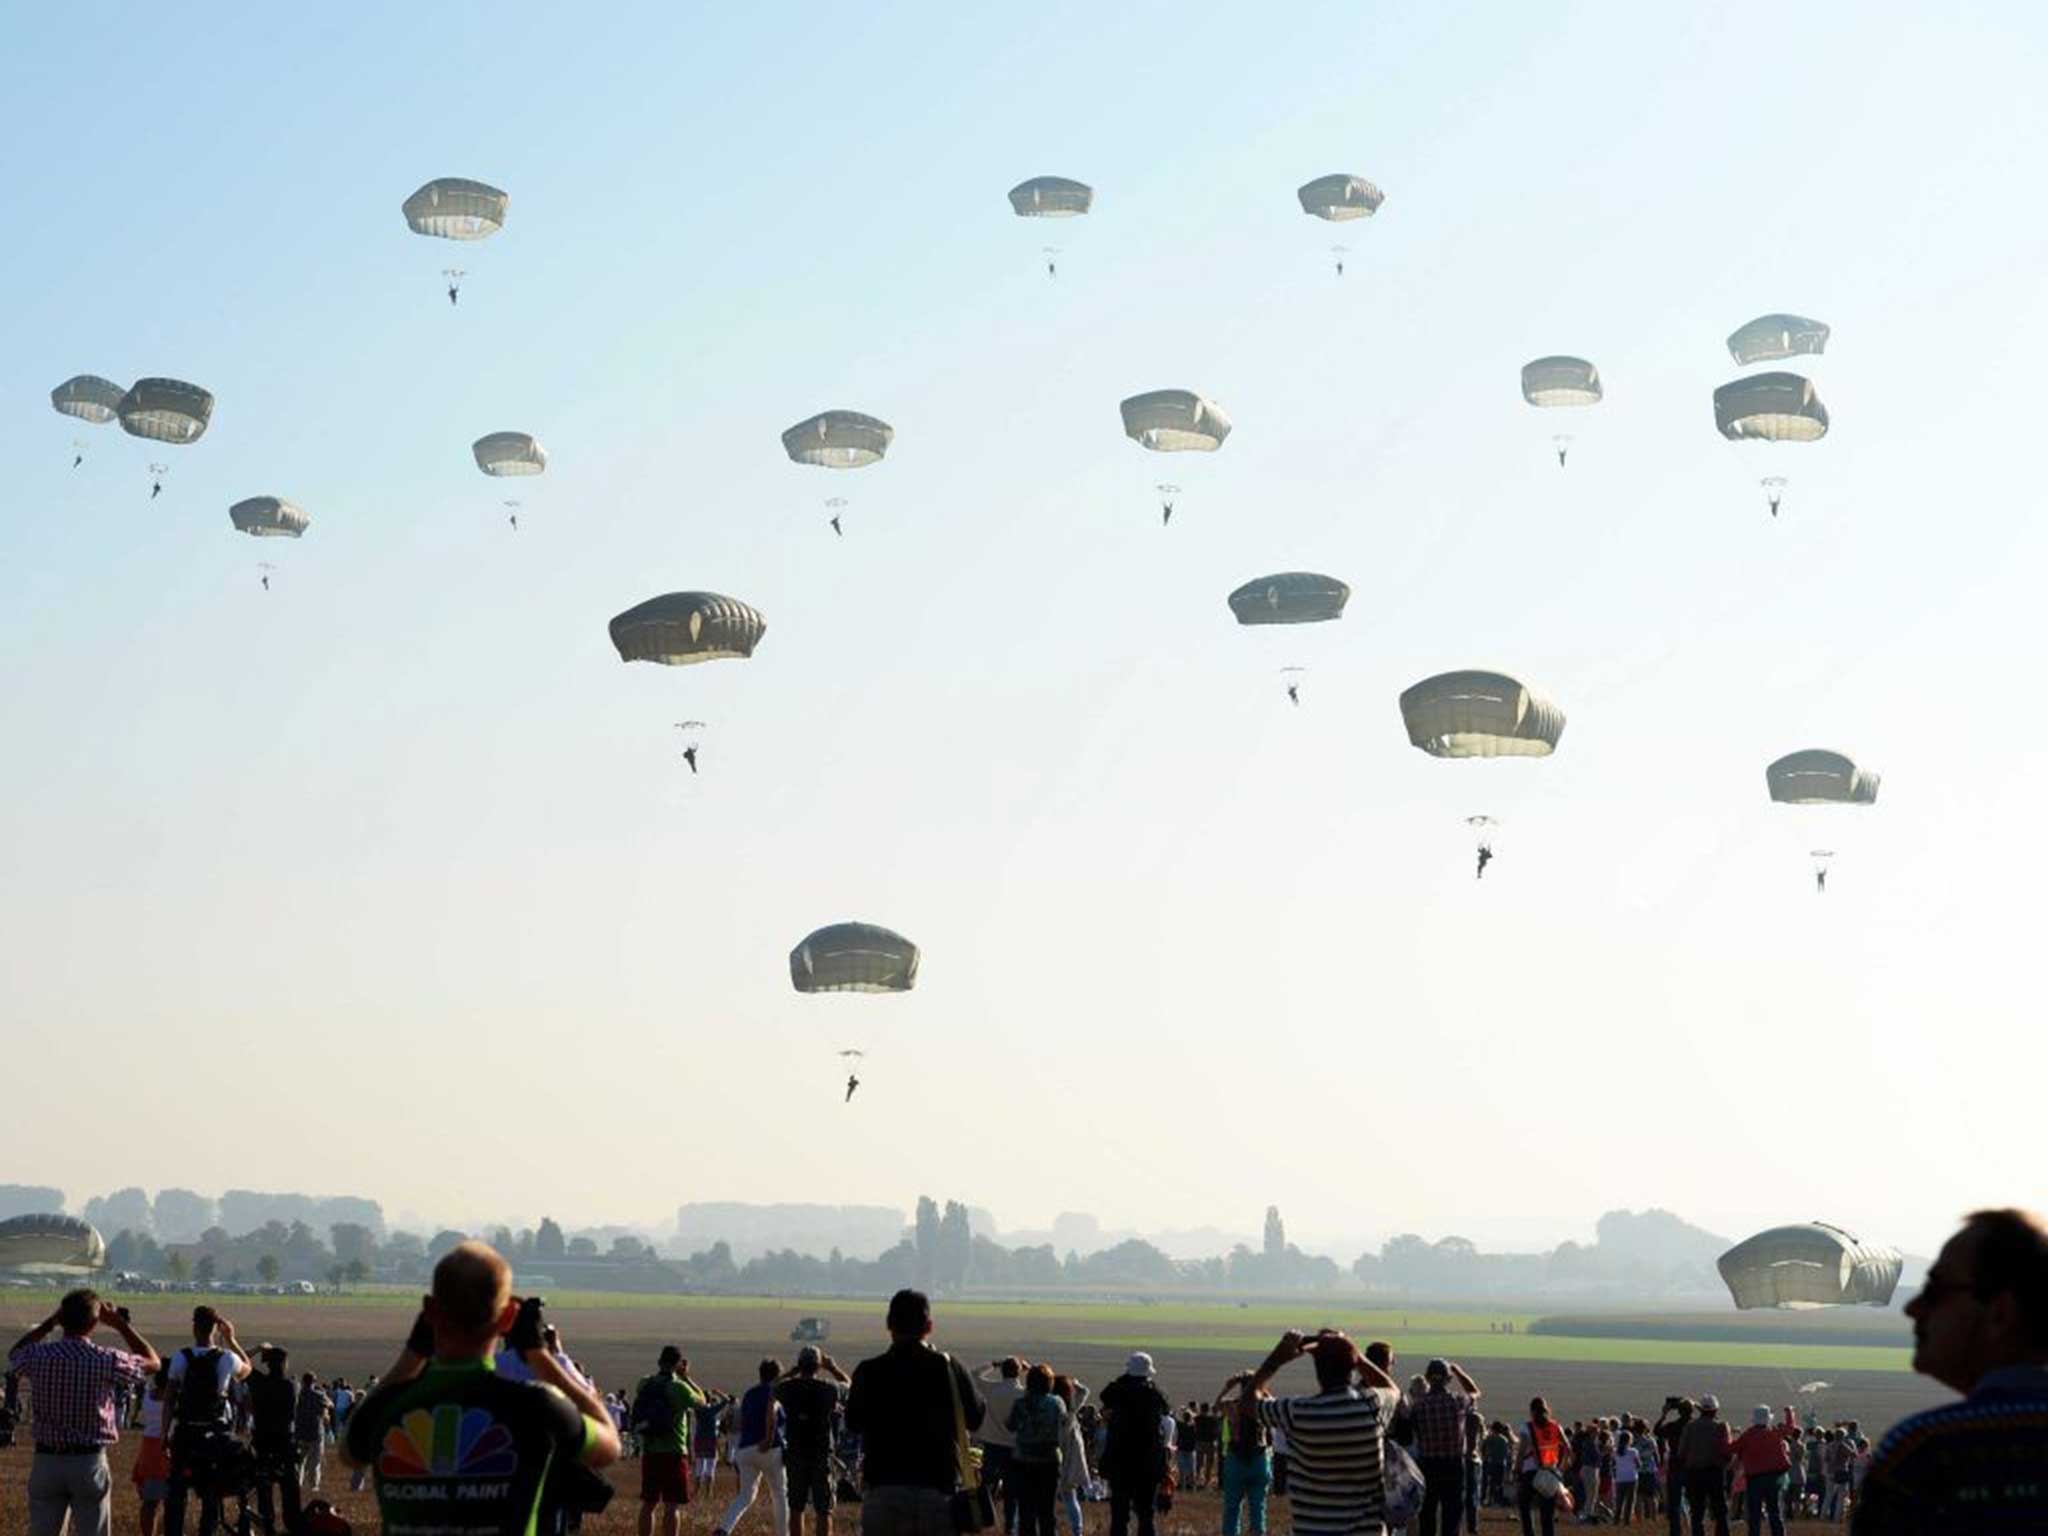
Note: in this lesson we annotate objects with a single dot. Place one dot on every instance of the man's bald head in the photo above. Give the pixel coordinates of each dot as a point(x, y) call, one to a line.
point(472, 1287)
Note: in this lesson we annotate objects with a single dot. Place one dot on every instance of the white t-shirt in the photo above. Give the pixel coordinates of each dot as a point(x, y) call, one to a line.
point(152, 1418)
point(1626, 1465)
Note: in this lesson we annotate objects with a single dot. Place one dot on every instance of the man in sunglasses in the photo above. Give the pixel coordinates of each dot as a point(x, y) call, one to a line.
point(1980, 1325)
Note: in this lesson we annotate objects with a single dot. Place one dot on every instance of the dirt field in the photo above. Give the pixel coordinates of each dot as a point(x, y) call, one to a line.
point(616, 1339)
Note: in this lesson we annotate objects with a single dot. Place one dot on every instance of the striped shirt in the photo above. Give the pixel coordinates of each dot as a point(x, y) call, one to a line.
point(1336, 1480)
point(71, 1387)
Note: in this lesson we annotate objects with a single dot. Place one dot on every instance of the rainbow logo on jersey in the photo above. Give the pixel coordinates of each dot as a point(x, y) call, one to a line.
point(448, 1441)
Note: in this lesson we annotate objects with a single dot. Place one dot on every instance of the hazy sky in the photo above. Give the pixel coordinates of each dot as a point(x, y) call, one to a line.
point(400, 864)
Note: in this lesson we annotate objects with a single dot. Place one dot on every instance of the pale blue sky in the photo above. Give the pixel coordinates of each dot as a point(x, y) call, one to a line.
point(401, 850)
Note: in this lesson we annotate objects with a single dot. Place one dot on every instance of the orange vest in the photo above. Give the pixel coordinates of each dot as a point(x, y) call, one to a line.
point(1548, 1438)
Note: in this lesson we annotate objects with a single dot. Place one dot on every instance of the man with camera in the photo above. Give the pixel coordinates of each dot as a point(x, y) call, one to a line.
point(455, 1447)
point(72, 1380)
point(914, 1409)
point(664, 1407)
point(199, 1422)
point(273, 1408)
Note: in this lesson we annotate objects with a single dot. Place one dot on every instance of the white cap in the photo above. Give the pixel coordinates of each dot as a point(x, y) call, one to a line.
point(1140, 1364)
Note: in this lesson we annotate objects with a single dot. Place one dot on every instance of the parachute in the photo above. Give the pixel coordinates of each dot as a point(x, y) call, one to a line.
point(1174, 421)
point(838, 440)
point(680, 629)
point(1051, 197)
point(1290, 597)
point(1772, 408)
point(1480, 714)
point(509, 453)
point(1817, 776)
point(454, 208)
point(165, 410)
point(269, 517)
point(1768, 338)
point(1554, 381)
point(88, 397)
point(854, 957)
point(1814, 1265)
point(1340, 197)
point(50, 1245)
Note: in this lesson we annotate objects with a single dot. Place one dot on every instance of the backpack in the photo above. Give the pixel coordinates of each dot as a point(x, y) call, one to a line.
point(200, 1401)
point(1038, 1428)
point(1404, 1484)
point(654, 1407)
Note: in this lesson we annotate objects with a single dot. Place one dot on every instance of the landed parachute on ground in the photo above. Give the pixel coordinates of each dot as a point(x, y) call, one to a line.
point(1340, 197)
point(509, 453)
point(1812, 1265)
point(1817, 776)
point(269, 517)
point(1290, 597)
point(1771, 408)
point(838, 440)
point(1051, 197)
point(1174, 421)
point(88, 397)
point(1480, 714)
point(854, 957)
point(1555, 381)
point(455, 208)
point(680, 629)
point(1768, 338)
point(165, 410)
point(50, 1245)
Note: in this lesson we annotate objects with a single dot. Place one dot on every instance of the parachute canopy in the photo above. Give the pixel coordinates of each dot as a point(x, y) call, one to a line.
point(509, 453)
point(165, 410)
point(50, 1245)
point(455, 208)
point(1290, 597)
point(1480, 714)
point(1775, 407)
point(854, 957)
point(1814, 1265)
point(1051, 197)
point(88, 397)
point(1175, 421)
point(680, 629)
point(1340, 197)
point(1768, 338)
point(269, 517)
point(838, 440)
point(1819, 777)
point(1561, 381)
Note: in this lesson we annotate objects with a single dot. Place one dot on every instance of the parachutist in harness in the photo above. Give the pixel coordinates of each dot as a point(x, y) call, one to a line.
point(1166, 514)
point(266, 581)
point(156, 489)
point(1485, 858)
point(690, 756)
point(453, 291)
point(1294, 694)
point(77, 460)
point(513, 519)
point(834, 520)
point(852, 1083)
point(1820, 881)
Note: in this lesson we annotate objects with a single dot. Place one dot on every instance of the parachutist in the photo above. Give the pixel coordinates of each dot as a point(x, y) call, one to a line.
point(77, 460)
point(834, 520)
point(266, 581)
point(452, 292)
point(1294, 694)
point(1166, 515)
point(690, 757)
point(1820, 881)
point(513, 519)
point(1774, 506)
point(852, 1083)
point(1340, 266)
point(1485, 858)
point(1052, 269)
point(1560, 458)
point(156, 489)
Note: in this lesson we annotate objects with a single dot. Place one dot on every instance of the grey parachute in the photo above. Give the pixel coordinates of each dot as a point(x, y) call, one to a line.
point(269, 517)
point(1817, 776)
point(89, 398)
point(854, 957)
point(1556, 381)
point(1051, 197)
point(1340, 197)
point(455, 208)
point(1480, 714)
point(165, 410)
point(680, 629)
point(509, 453)
point(1809, 1265)
point(1769, 338)
point(1174, 421)
point(1772, 408)
point(838, 440)
point(50, 1245)
point(1290, 597)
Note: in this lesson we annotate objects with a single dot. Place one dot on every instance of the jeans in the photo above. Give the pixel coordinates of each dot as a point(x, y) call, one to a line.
point(906, 1511)
point(1624, 1503)
point(995, 1474)
point(1443, 1494)
point(1246, 1480)
point(1705, 1491)
point(1762, 1495)
point(309, 1464)
point(194, 1458)
point(1471, 1495)
point(1527, 1498)
point(78, 1486)
point(1128, 1492)
point(1037, 1485)
point(277, 1475)
point(1070, 1501)
point(758, 1465)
